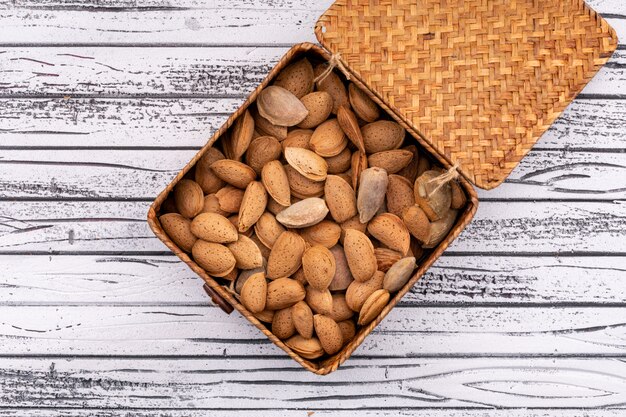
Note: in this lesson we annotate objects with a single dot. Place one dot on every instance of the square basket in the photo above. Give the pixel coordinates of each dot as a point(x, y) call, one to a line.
point(474, 82)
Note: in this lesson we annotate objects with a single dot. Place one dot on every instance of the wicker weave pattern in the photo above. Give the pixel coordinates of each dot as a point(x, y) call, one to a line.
point(480, 80)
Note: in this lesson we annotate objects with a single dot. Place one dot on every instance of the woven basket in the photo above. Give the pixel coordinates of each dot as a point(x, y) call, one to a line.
point(482, 116)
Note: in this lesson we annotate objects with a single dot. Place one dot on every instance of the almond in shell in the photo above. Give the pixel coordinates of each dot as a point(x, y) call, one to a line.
point(410, 171)
point(297, 78)
point(301, 186)
point(320, 301)
point(341, 311)
point(343, 276)
point(268, 229)
point(359, 254)
point(372, 188)
point(214, 258)
point(188, 197)
point(417, 222)
point(391, 232)
point(340, 163)
point(307, 163)
point(212, 205)
point(348, 330)
point(358, 292)
point(308, 348)
point(204, 176)
point(213, 228)
point(382, 135)
point(266, 316)
point(350, 126)
point(247, 254)
point(178, 228)
point(358, 164)
point(325, 233)
point(439, 229)
point(283, 293)
point(243, 276)
point(353, 223)
point(302, 317)
point(435, 199)
point(280, 107)
point(229, 199)
point(319, 104)
point(252, 205)
point(234, 173)
point(318, 264)
point(373, 306)
point(261, 151)
point(276, 182)
point(399, 195)
point(386, 257)
point(328, 333)
point(340, 198)
point(265, 251)
point(328, 139)
point(286, 255)
point(241, 136)
point(282, 324)
point(254, 293)
point(299, 276)
point(333, 85)
point(399, 274)
point(304, 213)
point(272, 206)
point(363, 106)
point(297, 138)
point(266, 128)
point(391, 161)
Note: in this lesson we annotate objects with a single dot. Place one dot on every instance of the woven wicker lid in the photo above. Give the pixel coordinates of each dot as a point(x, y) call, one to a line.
point(479, 80)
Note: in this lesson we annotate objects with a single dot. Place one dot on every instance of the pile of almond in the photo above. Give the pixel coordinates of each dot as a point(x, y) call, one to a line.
point(314, 211)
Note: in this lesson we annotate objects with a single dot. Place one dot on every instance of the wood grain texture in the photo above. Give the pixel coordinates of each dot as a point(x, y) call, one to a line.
point(477, 411)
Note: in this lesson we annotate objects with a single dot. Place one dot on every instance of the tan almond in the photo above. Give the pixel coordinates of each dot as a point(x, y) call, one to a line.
point(363, 106)
point(391, 161)
point(343, 276)
point(341, 311)
point(188, 197)
point(229, 199)
point(241, 136)
point(333, 85)
point(299, 276)
point(319, 105)
point(346, 176)
point(340, 198)
point(399, 195)
point(372, 188)
point(359, 254)
point(350, 126)
point(231, 275)
point(318, 264)
point(301, 186)
point(358, 164)
point(307, 348)
point(439, 229)
point(417, 222)
point(302, 317)
point(382, 135)
point(273, 207)
point(178, 228)
point(433, 198)
point(386, 257)
point(328, 333)
point(282, 324)
point(307, 163)
point(358, 292)
point(265, 251)
point(254, 293)
point(286, 255)
point(297, 78)
point(214, 258)
point(212, 205)
point(266, 128)
point(234, 173)
point(261, 151)
point(243, 276)
point(283, 293)
point(268, 229)
point(247, 254)
point(276, 182)
point(297, 138)
point(234, 219)
point(410, 171)
point(304, 213)
point(325, 233)
point(458, 196)
point(204, 176)
point(328, 139)
point(348, 330)
point(389, 230)
point(399, 274)
point(353, 223)
point(266, 316)
point(280, 106)
point(213, 228)
point(373, 306)
point(340, 163)
point(252, 205)
point(320, 301)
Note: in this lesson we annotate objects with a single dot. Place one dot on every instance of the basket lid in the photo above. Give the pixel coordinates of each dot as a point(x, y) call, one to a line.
point(479, 80)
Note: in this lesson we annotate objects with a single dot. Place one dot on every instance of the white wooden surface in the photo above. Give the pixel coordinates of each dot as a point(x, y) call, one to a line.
point(102, 102)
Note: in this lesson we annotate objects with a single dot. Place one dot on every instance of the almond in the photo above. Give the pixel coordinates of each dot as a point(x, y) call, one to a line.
point(343, 277)
point(304, 213)
point(439, 229)
point(383, 135)
point(297, 138)
point(283, 293)
point(234, 219)
point(261, 151)
point(372, 189)
point(373, 306)
point(399, 274)
point(252, 205)
point(348, 330)
point(212, 205)
point(302, 317)
point(318, 264)
point(272, 206)
point(301, 186)
point(328, 139)
point(265, 251)
point(280, 107)
point(243, 277)
point(247, 254)
point(231, 275)
point(299, 276)
point(178, 228)
point(266, 128)
point(214, 258)
point(358, 164)
point(417, 222)
point(205, 178)
point(307, 348)
point(325, 233)
point(241, 136)
point(333, 85)
point(213, 228)
point(410, 171)
point(189, 198)
point(340, 198)
point(229, 199)
point(297, 78)
point(360, 255)
point(307, 163)
point(391, 161)
point(234, 173)
point(353, 223)
point(328, 333)
point(458, 196)
point(286, 255)
point(363, 106)
point(358, 292)
point(266, 316)
point(385, 258)
point(399, 195)
point(435, 200)
point(319, 105)
point(276, 182)
point(350, 126)
point(268, 229)
point(339, 163)
point(391, 232)
point(282, 324)
point(340, 310)
point(320, 301)
point(254, 293)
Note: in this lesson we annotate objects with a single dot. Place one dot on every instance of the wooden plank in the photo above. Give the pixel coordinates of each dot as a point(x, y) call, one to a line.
point(463, 280)
point(161, 122)
point(132, 174)
point(242, 384)
point(174, 71)
point(498, 228)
